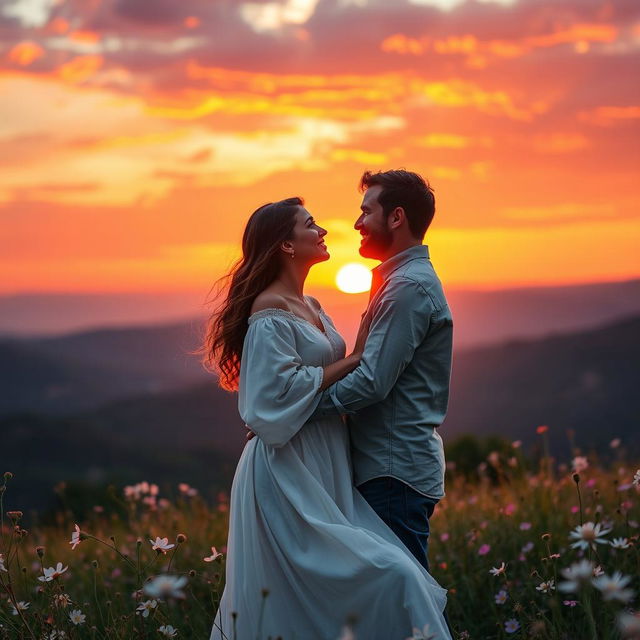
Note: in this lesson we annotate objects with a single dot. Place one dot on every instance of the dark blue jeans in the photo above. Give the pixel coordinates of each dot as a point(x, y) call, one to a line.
point(405, 511)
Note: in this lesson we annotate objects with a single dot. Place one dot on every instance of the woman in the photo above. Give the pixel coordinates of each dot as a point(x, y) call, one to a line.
point(306, 553)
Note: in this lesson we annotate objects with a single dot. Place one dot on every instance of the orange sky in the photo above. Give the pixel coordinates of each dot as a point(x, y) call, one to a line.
point(137, 137)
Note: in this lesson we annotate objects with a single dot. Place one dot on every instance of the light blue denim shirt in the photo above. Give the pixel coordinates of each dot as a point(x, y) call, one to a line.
point(398, 395)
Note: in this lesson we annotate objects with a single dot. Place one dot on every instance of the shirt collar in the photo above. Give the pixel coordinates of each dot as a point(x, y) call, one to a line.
point(386, 268)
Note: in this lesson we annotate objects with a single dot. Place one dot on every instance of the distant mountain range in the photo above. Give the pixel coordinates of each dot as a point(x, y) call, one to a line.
point(480, 317)
point(584, 382)
point(77, 372)
point(132, 404)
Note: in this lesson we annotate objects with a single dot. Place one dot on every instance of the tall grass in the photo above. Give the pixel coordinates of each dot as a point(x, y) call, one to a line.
point(549, 553)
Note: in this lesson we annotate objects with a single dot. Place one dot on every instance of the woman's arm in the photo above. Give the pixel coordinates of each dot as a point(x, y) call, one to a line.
point(339, 369)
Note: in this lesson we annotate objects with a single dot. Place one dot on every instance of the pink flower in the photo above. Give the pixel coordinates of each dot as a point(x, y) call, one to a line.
point(161, 545)
point(580, 464)
point(525, 526)
point(444, 537)
point(569, 603)
point(542, 429)
point(484, 549)
point(214, 555)
point(510, 509)
point(75, 537)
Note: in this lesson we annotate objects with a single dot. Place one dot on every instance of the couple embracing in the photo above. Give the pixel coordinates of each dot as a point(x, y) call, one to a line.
point(330, 503)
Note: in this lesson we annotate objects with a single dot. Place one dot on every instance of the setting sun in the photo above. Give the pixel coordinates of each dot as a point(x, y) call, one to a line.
point(353, 278)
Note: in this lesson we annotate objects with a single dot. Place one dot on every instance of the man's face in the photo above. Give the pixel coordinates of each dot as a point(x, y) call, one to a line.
point(372, 225)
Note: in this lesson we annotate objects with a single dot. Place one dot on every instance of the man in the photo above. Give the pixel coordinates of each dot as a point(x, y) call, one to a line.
point(397, 397)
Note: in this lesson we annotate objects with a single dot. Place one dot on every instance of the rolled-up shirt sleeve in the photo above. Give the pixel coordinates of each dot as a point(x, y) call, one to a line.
point(401, 320)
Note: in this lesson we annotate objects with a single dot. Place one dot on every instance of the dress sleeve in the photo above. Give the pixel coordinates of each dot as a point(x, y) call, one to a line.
point(277, 392)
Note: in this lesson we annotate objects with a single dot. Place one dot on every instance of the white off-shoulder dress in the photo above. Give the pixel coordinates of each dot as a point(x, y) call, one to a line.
point(298, 527)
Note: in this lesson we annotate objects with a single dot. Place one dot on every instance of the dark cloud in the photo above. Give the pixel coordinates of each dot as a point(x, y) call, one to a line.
point(158, 12)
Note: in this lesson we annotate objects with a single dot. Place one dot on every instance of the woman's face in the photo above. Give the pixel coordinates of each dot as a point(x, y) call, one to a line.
point(308, 239)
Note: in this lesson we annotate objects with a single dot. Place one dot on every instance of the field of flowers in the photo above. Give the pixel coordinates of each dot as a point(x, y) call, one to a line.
point(545, 552)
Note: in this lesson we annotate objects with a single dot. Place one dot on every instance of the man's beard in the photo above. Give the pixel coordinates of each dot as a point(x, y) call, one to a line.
point(376, 243)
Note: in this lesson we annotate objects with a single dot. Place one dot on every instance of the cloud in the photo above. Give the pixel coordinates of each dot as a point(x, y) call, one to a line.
point(561, 143)
point(24, 53)
point(160, 110)
point(608, 116)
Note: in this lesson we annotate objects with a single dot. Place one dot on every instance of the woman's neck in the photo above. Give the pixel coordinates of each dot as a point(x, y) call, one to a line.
point(291, 280)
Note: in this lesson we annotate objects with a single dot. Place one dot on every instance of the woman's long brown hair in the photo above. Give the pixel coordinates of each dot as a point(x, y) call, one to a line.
point(267, 228)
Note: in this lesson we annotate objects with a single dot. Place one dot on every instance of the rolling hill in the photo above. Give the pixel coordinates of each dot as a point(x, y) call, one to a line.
point(582, 382)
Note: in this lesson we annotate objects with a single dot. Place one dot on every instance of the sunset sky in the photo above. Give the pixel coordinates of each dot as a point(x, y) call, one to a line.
point(138, 135)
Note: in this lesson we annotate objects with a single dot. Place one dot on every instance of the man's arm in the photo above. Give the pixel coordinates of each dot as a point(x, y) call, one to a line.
point(400, 323)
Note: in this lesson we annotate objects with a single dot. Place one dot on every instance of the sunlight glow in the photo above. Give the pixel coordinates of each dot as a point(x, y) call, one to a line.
point(353, 278)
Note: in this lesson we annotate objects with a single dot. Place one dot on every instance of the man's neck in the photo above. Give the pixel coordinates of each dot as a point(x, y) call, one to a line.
point(398, 247)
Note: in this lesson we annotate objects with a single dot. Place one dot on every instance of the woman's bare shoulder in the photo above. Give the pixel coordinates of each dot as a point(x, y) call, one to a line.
point(314, 303)
point(269, 300)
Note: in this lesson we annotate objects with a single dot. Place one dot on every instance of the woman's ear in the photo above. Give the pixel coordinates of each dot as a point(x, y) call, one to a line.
point(287, 247)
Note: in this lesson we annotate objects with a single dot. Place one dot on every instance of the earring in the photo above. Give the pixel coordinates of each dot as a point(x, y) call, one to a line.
point(293, 254)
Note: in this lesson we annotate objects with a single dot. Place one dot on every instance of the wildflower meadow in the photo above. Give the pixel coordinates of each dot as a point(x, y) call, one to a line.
point(526, 550)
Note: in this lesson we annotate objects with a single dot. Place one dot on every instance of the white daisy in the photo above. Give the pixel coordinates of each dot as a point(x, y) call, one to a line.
point(52, 573)
point(166, 586)
point(613, 587)
point(620, 543)
point(629, 624)
point(168, 631)
point(146, 607)
point(576, 575)
point(22, 606)
point(77, 617)
point(546, 587)
point(588, 535)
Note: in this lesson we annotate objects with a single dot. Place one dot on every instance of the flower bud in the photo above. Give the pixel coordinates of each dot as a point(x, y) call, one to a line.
point(8, 475)
point(40, 552)
point(576, 478)
point(180, 538)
